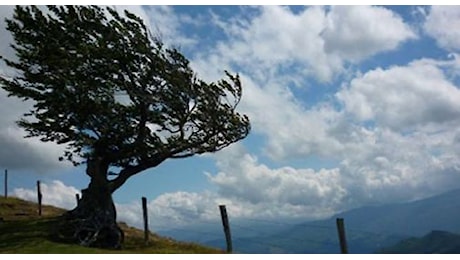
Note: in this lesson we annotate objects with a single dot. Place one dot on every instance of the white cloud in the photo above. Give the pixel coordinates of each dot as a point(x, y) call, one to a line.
point(263, 44)
point(441, 24)
point(131, 213)
point(177, 209)
point(315, 39)
point(382, 166)
point(311, 42)
point(393, 166)
point(17, 152)
point(180, 207)
point(55, 193)
point(166, 24)
point(249, 190)
point(395, 139)
point(357, 32)
point(291, 129)
point(403, 97)
point(241, 176)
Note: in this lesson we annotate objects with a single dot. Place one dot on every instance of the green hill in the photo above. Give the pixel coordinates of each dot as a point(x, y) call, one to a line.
point(23, 231)
point(436, 242)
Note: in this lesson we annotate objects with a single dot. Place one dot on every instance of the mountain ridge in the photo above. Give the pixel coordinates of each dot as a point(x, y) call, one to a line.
point(367, 228)
point(435, 242)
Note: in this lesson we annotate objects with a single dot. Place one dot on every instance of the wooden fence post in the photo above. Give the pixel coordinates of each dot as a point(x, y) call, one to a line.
point(342, 237)
point(228, 236)
point(39, 194)
point(6, 183)
point(146, 220)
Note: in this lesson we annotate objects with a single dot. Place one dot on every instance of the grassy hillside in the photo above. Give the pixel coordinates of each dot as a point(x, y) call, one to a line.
point(23, 231)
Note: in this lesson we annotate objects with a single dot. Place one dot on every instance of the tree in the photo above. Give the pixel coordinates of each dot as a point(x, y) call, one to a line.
point(118, 99)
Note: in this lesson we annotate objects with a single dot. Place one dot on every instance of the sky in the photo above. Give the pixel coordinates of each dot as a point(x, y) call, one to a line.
point(350, 106)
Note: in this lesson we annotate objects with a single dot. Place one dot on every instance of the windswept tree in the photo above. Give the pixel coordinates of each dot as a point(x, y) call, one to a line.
point(119, 100)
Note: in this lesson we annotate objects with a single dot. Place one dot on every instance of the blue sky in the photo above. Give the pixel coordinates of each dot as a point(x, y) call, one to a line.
point(350, 106)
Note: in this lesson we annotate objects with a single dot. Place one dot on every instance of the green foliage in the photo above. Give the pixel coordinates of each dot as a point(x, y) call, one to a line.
point(109, 91)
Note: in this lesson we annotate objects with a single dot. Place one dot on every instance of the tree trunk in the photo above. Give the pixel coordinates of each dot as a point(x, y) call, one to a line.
point(93, 222)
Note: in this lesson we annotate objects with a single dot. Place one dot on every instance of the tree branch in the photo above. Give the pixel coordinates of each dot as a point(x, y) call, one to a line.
point(127, 172)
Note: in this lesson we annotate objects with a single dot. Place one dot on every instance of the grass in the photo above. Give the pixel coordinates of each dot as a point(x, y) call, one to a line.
point(23, 231)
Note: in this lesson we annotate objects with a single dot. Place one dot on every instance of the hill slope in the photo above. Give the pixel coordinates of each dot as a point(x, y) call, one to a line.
point(436, 242)
point(23, 231)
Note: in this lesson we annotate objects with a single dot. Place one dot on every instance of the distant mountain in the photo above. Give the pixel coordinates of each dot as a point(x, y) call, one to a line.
point(317, 237)
point(436, 242)
point(416, 218)
point(213, 234)
point(367, 229)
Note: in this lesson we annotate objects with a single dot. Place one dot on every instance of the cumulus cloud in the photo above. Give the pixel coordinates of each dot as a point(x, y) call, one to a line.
point(312, 42)
point(356, 32)
point(394, 139)
point(28, 154)
point(17, 152)
point(403, 97)
point(393, 166)
point(419, 97)
point(386, 167)
point(241, 176)
point(263, 46)
point(55, 193)
point(317, 39)
point(441, 23)
point(396, 169)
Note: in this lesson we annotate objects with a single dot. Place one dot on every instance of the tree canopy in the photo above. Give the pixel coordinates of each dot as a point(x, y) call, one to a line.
point(114, 94)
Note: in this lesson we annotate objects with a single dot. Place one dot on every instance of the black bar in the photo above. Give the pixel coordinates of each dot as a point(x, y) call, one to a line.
point(228, 236)
point(342, 237)
point(6, 183)
point(146, 221)
point(39, 194)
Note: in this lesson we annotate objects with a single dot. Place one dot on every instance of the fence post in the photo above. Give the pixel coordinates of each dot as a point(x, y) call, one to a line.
point(77, 196)
point(146, 220)
point(39, 194)
point(228, 236)
point(342, 237)
point(6, 183)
